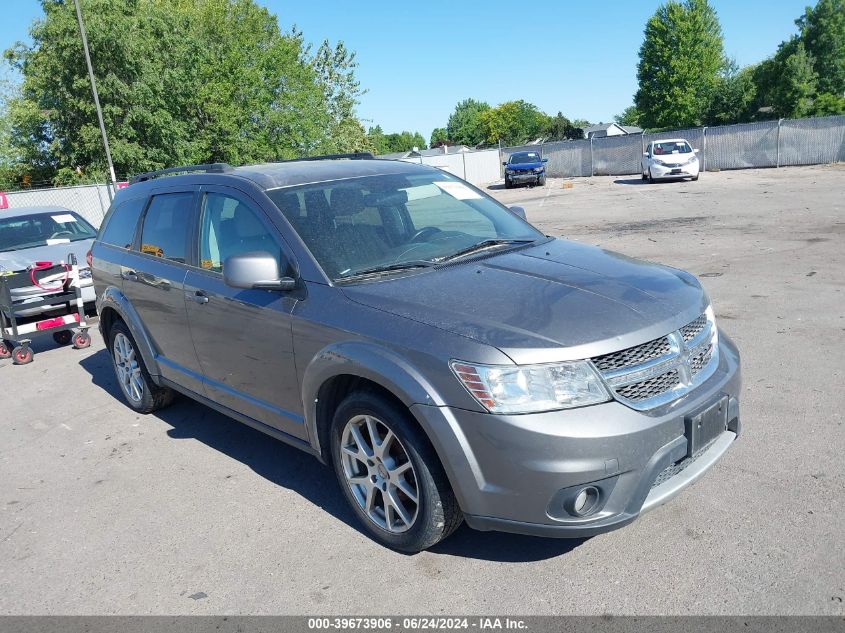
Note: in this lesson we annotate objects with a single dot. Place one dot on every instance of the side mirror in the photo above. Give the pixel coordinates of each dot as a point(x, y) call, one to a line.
point(545, 160)
point(255, 271)
point(519, 211)
point(696, 151)
point(505, 164)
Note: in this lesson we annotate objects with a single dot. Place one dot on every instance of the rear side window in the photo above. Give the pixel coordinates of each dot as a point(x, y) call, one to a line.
point(166, 224)
point(120, 226)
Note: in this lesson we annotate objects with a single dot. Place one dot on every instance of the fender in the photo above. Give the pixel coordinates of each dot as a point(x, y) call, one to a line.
point(115, 299)
point(370, 361)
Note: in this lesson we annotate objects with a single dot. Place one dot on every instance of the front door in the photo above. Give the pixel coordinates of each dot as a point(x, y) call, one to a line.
point(243, 338)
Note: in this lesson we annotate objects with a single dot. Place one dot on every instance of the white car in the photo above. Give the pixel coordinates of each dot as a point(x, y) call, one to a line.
point(668, 159)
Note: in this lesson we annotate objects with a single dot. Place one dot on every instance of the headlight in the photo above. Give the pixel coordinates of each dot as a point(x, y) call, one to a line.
point(532, 388)
point(660, 162)
point(538, 170)
point(692, 159)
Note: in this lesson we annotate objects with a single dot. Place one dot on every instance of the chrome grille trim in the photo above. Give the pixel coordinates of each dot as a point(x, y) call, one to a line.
point(659, 371)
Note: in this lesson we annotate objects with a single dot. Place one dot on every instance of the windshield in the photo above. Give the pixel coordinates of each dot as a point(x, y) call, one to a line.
point(43, 229)
point(398, 221)
point(530, 157)
point(672, 147)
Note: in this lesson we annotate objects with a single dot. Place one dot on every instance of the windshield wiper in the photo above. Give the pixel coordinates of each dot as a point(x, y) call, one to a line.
point(482, 245)
point(372, 270)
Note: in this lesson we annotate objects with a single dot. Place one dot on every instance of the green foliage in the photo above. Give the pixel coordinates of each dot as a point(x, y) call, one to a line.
point(823, 34)
point(629, 116)
point(389, 143)
point(513, 122)
point(439, 137)
point(786, 82)
point(827, 104)
point(733, 97)
point(465, 126)
point(180, 82)
point(559, 128)
point(680, 61)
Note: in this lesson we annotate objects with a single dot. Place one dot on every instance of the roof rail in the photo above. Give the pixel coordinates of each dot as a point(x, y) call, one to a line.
point(350, 156)
point(210, 168)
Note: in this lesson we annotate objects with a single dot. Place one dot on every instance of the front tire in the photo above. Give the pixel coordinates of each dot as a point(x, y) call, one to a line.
point(138, 389)
point(650, 177)
point(508, 183)
point(541, 181)
point(390, 474)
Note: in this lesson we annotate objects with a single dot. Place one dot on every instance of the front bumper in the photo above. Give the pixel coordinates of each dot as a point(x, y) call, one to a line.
point(683, 171)
point(518, 473)
point(524, 177)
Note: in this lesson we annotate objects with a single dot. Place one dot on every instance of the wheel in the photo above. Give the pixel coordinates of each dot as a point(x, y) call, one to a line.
point(694, 178)
point(508, 183)
point(541, 181)
point(81, 340)
point(650, 177)
point(643, 176)
point(5, 350)
point(390, 474)
point(22, 355)
point(62, 337)
point(140, 392)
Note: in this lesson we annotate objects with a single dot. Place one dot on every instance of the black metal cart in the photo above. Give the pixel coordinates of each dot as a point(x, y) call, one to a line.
point(66, 320)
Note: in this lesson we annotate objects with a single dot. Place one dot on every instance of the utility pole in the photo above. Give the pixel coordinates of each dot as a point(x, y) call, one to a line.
point(96, 99)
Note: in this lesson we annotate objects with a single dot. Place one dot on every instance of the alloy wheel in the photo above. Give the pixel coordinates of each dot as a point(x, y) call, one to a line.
point(127, 368)
point(379, 474)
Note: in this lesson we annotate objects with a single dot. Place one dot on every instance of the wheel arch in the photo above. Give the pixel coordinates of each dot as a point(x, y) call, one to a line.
point(113, 306)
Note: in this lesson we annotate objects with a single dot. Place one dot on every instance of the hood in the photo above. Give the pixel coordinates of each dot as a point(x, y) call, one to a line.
point(525, 165)
point(558, 300)
point(673, 159)
point(13, 261)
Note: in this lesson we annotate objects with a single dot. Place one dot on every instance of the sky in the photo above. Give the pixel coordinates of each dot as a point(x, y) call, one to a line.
point(418, 59)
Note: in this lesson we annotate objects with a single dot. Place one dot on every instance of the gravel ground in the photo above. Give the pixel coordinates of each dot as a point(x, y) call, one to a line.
point(104, 511)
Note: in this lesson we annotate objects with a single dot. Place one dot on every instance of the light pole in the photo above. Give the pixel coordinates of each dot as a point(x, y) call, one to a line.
point(96, 98)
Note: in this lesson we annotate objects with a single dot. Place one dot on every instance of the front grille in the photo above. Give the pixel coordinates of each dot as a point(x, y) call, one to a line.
point(650, 388)
point(633, 355)
point(691, 330)
point(652, 373)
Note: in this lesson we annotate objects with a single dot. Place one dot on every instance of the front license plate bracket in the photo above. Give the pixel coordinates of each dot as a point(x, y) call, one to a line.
point(706, 425)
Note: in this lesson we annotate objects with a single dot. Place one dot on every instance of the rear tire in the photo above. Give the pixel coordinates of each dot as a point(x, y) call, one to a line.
point(133, 379)
point(390, 474)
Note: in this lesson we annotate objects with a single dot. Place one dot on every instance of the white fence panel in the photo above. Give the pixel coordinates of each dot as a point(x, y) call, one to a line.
point(812, 141)
point(89, 201)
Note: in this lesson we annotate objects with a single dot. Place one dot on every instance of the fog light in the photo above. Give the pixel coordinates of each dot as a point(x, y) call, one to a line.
point(586, 500)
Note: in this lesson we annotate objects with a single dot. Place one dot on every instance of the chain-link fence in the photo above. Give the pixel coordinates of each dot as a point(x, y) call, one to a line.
point(747, 145)
point(89, 201)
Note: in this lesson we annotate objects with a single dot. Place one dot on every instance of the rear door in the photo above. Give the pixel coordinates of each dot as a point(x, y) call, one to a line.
point(243, 338)
point(153, 281)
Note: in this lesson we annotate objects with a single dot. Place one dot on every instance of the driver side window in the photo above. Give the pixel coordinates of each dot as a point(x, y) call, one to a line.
point(230, 227)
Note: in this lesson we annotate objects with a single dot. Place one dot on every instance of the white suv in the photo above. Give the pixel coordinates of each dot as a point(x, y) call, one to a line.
point(669, 158)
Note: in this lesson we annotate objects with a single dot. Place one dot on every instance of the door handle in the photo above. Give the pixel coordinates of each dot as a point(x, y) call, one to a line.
point(129, 275)
point(198, 297)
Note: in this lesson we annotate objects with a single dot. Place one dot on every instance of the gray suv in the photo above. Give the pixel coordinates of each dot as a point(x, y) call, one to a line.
point(448, 360)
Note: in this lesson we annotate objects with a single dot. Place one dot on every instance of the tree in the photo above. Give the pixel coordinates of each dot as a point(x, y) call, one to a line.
point(180, 82)
point(733, 96)
point(513, 122)
point(786, 82)
point(827, 104)
point(629, 116)
point(465, 125)
point(680, 61)
point(823, 34)
point(439, 137)
point(559, 128)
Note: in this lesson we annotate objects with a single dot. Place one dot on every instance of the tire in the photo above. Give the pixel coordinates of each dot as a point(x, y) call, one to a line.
point(409, 467)
point(541, 181)
point(643, 176)
point(138, 389)
point(22, 355)
point(81, 340)
point(5, 350)
point(650, 177)
point(62, 337)
point(694, 178)
point(508, 184)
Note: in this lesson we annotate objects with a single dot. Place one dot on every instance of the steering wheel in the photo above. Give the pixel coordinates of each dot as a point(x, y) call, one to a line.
point(60, 233)
point(425, 232)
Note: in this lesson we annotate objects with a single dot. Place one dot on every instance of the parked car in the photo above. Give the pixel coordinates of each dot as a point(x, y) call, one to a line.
point(30, 235)
point(525, 167)
point(670, 159)
point(446, 358)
